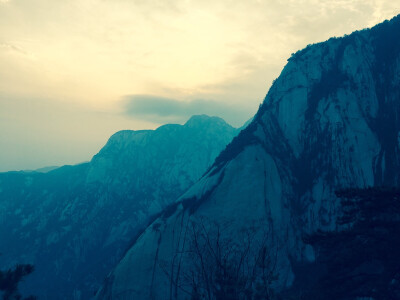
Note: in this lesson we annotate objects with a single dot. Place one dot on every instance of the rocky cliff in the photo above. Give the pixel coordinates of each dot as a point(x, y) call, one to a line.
point(330, 121)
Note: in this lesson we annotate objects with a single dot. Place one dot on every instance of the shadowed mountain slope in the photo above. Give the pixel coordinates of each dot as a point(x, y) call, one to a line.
point(75, 222)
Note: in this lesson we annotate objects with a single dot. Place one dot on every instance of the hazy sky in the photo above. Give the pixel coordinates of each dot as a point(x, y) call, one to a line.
point(74, 72)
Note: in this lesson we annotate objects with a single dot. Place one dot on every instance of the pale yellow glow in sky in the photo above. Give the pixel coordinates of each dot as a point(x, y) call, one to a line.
point(80, 58)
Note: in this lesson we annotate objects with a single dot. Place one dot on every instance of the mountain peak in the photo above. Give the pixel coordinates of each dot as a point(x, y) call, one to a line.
point(201, 120)
point(104, 202)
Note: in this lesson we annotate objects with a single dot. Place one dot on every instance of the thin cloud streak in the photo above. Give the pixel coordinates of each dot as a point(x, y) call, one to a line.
point(166, 110)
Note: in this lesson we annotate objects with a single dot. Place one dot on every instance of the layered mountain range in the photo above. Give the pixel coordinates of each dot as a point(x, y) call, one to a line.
point(330, 121)
point(75, 222)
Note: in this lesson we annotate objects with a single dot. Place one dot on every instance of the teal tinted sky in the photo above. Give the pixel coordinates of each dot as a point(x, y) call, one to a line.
point(74, 72)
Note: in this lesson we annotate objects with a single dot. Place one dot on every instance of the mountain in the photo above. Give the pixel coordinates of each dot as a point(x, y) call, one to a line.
point(75, 222)
point(330, 121)
point(43, 170)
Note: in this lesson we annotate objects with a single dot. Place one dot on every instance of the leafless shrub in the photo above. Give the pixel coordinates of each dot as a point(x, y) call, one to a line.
point(218, 265)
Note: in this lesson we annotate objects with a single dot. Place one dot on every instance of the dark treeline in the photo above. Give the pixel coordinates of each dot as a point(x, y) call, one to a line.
point(361, 259)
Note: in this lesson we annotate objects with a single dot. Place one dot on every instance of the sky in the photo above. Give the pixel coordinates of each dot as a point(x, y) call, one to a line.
point(74, 72)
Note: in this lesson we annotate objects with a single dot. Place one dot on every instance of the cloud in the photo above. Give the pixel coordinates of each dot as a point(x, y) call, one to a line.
point(12, 47)
point(165, 110)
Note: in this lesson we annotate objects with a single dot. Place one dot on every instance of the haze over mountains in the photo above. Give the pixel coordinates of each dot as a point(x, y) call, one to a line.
point(330, 121)
point(75, 222)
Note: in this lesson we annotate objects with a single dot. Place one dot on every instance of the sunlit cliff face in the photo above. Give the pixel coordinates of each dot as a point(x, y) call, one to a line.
point(67, 68)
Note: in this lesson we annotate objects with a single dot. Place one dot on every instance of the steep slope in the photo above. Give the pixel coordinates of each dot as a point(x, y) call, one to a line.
point(74, 223)
point(331, 120)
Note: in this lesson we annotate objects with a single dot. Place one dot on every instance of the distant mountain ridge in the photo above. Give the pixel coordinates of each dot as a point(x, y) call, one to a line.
point(42, 170)
point(330, 121)
point(75, 222)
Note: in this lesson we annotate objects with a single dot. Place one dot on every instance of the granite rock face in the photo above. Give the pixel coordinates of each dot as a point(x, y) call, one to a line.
point(330, 121)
